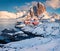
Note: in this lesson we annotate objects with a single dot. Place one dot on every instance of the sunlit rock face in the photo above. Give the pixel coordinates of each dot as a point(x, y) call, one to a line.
point(45, 15)
point(31, 12)
point(37, 9)
point(40, 8)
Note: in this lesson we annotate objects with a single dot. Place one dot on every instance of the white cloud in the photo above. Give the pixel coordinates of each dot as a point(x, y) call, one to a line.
point(53, 3)
point(10, 15)
point(7, 15)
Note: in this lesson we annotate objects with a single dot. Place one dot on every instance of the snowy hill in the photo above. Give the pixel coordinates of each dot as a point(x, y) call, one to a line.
point(36, 44)
point(47, 28)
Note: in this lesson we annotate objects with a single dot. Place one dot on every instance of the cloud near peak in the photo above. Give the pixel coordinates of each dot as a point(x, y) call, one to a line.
point(55, 4)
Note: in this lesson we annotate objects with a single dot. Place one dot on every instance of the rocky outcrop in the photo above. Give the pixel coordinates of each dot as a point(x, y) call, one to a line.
point(40, 8)
point(45, 29)
point(37, 10)
point(31, 12)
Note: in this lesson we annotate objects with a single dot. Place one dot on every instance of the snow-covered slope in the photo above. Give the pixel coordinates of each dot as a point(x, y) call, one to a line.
point(51, 28)
point(36, 44)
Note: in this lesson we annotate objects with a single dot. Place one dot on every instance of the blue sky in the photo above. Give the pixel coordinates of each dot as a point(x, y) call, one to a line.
point(8, 5)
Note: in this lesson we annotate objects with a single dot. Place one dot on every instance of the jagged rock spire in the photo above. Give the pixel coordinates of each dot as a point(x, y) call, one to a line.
point(40, 8)
point(37, 10)
point(31, 12)
point(38, 4)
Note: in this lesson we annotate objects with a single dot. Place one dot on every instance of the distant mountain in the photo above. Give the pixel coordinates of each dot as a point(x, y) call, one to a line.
point(55, 16)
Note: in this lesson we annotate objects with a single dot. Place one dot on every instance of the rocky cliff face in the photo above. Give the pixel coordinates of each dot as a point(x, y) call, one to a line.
point(40, 9)
point(31, 12)
point(37, 10)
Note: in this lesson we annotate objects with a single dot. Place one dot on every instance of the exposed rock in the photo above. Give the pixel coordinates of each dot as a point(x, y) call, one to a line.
point(31, 12)
point(8, 31)
point(40, 8)
point(37, 10)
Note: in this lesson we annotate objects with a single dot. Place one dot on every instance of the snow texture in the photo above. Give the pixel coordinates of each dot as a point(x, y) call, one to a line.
point(34, 44)
point(51, 28)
